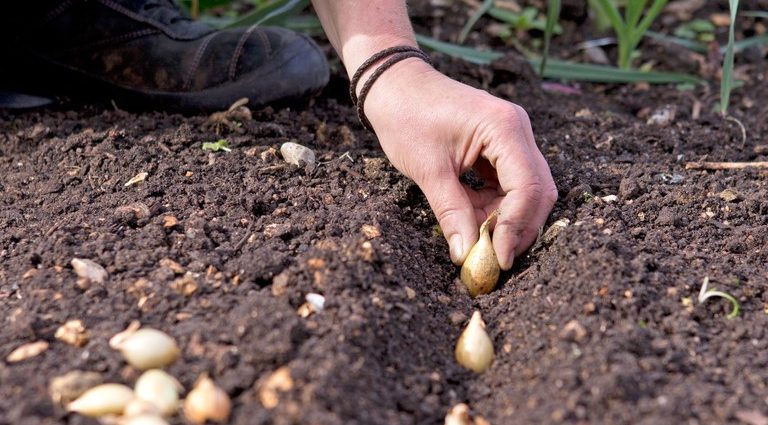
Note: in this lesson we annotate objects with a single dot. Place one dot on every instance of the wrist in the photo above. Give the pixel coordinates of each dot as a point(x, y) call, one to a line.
point(397, 89)
point(358, 49)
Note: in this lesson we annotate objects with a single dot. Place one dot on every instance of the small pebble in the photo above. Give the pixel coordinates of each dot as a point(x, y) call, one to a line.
point(294, 153)
point(138, 178)
point(73, 333)
point(670, 178)
point(89, 270)
point(730, 195)
point(663, 116)
point(573, 331)
point(317, 301)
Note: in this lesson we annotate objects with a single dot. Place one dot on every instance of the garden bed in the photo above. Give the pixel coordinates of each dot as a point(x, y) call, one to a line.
point(598, 324)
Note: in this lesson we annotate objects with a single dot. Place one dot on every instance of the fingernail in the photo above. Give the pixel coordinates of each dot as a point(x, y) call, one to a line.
point(457, 248)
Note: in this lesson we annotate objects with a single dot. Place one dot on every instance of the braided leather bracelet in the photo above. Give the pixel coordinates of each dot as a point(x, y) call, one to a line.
point(395, 54)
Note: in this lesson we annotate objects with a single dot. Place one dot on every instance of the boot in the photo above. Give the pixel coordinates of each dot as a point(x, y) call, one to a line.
point(149, 54)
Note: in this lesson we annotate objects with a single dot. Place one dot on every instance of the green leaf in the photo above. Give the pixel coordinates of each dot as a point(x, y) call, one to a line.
point(558, 69)
point(271, 12)
point(688, 44)
point(609, 9)
point(755, 14)
point(634, 12)
point(726, 85)
point(701, 25)
point(608, 74)
point(650, 16)
point(696, 46)
point(745, 43)
point(487, 4)
point(219, 145)
point(684, 31)
point(204, 4)
point(481, 57)
point(706, 293)
point(504, 15)
point(529, 14)
point(522, 21)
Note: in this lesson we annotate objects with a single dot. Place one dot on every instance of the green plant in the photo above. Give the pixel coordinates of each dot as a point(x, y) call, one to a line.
point(553, 13)
point(196, 7)
point(726, 84)
point(219, 145)
point(271, 12)
point(707, 293)
point(525, 20)
point(631, 27)
point(559, 69)
point(697, 29)
point(286, 13)
point(487, 4)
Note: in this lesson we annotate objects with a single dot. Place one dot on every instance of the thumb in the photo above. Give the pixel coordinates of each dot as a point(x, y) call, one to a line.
point(454, 211)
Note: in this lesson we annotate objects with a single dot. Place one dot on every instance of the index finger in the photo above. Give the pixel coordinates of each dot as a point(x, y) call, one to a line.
point(527, 186)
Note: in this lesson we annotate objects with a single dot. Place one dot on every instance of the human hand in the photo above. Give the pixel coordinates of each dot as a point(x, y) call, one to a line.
point(433, 129)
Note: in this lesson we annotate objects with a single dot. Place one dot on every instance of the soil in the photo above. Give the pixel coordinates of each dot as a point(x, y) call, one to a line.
point(598, 323)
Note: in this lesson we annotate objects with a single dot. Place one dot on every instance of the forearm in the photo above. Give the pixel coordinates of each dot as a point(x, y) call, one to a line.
point(357, 29)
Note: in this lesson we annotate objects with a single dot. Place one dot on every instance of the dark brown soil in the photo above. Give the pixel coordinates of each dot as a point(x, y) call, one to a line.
point(592, 326)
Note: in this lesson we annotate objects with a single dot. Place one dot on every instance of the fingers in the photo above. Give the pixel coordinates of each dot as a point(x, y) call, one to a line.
point(454, 211)
point(527, 183)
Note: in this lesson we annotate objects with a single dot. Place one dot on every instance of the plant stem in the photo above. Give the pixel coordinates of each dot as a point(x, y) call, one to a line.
point(553, 13)
point(625, 54)
point(726, 84)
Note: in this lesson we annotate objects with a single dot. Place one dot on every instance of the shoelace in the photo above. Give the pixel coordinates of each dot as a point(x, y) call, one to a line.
point(164, 11)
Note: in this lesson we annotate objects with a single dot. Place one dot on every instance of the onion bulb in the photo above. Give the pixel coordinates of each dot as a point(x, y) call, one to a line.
point(474, 350)
point(481, 268)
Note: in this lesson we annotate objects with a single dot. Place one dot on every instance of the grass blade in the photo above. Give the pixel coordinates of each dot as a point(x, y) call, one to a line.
point(647, 20)
point(698, 47)
point(634, 12)
point(609, 74)
point(505, 16)
point(480, 57)
point(755, 14)
point(740, 45)
point(614, 17)
point(558, 69)
point(726, 85)
point(553, 13)
point(620, 27)
point(684, 42)
point(482, 10)
point(270, 13)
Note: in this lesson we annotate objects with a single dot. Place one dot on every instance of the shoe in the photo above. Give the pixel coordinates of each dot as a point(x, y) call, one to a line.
point(147, 53)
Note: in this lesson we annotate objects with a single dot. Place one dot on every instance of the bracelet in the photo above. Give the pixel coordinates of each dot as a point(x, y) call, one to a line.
point(397, 53)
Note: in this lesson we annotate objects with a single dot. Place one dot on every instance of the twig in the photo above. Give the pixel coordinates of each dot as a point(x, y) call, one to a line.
point(272, 168)
point(239, 245)
point(53, 228)
point(724, 165)
point(343, 156)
